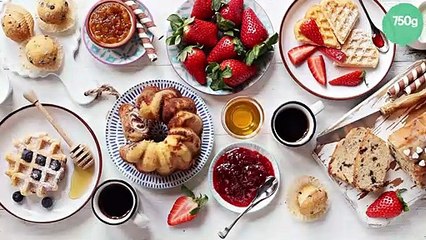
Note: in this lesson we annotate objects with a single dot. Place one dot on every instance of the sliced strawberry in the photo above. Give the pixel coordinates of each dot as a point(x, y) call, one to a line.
point(317, 66)
point(334, 54)
point(299, 54)
point(310, 29)
point(351, 79)
point(186, 207)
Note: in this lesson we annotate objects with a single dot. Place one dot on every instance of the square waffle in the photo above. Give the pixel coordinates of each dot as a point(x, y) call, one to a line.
point(360, 51)
point(315, 12)
point(342, 16)
point(37, 166)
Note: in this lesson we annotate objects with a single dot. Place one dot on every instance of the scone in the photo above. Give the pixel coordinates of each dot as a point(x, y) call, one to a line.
point(17, 23)
point(55, 15)
point(43, 52)
point(307, 199)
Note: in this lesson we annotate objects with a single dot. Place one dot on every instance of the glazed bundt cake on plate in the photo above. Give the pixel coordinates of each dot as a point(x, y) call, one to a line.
point(159, 134)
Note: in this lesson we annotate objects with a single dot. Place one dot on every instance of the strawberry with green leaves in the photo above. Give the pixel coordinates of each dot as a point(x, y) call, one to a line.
point(227, 48)
point(252, 31)
point(195, 61)
point(202, 9)
point(261, 49)
point(229, 74)
point(186, 207)
point(192, 31)
point(230, 15)
point(389, 205)
point(352, 79)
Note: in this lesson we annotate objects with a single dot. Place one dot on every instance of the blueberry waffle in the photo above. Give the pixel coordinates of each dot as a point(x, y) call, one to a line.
point(37, 166)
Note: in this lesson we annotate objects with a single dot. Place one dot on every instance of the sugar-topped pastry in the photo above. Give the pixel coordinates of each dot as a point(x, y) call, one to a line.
point(307, 199)
point(55, 15)
point(17, 23)
point(43, 52)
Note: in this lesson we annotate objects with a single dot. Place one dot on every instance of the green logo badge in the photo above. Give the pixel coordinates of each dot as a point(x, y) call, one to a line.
point(403, 24)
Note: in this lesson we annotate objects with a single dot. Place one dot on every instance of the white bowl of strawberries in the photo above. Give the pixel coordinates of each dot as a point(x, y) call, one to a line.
point(220, 48)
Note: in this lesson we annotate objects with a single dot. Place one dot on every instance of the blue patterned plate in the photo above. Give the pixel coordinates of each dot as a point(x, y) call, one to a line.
point(126, 54)
point(185, 11)
point(115, 138)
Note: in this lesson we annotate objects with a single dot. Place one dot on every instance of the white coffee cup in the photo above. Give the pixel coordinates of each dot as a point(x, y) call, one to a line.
point(309, 112)
point(99, 206)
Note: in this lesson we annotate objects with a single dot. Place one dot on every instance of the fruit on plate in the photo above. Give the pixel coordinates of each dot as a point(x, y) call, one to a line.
point(299, 54)
point(389, 205)
point(186, 207)
point(230, 15)
point(192, 31)
point(310, 29)
point(17, 197)
point(252, 30)
point(351, 79)
point(229, 74)
point(195, 61)
point(227, 48)
point(202, 9)
point(316, 65)
point(334, 54)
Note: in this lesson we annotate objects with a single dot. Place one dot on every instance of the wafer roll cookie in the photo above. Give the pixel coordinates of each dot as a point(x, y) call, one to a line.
point(416, 85)
point(145, 20)
point(405, 81)
point(146, 42)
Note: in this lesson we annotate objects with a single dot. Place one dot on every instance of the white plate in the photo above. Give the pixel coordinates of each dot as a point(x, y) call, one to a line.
point(115, 138)
point(28, 120)
point(172, 51)
point(303, 76)
point(250, 146)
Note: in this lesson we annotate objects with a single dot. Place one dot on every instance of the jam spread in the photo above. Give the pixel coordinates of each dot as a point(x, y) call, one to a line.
point(110, 23)
point(239, 173)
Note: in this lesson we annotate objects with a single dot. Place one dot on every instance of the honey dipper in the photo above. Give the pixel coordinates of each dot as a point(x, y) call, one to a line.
point(79, 153)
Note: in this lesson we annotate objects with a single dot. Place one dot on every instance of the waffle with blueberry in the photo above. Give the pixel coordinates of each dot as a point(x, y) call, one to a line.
point(37, 166)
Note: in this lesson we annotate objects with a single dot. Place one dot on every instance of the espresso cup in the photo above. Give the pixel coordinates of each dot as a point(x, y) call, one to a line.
point(115, 202)
point(293, 123)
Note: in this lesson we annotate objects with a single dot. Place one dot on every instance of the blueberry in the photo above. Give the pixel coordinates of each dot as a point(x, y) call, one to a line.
point(17, 197)
point(36, 174)
point(27, 155)
point(40, 160)
point(47, 202)
point(55, 165)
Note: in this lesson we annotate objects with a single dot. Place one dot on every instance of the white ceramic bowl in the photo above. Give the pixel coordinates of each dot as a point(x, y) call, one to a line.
point(250, 146)
point(420, 44)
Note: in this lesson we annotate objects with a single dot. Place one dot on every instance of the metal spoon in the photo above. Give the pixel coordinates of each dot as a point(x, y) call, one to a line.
point(379, 39)
point(268, 188)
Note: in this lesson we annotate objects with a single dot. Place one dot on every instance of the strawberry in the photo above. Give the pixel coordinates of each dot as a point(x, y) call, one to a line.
point(195, 62)
point(310, 29)
point(334, 54)
point(351, 79)
point(186, 207)
point(261, 49)
point(227, 48)
point(192, 31)
point(229, 74)
point(317, 66)
point(252, 30)
point(202, 9)
point(230, 15)
point(390, 204)
point(299, 54)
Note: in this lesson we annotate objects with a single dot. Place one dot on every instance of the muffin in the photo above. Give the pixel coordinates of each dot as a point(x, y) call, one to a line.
point(55, 15)
point(44, 52)
point(17, 23)
point(307, 199)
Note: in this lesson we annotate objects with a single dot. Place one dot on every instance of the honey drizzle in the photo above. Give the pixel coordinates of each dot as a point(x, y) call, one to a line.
point(80, 181)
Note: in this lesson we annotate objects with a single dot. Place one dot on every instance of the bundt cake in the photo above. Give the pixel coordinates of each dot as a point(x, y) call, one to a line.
point(182, 144)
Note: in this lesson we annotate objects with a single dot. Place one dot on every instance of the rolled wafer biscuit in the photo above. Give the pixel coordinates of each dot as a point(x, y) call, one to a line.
point(405, 81)
point(144, 19)
point(146, 43)
point(416, 85)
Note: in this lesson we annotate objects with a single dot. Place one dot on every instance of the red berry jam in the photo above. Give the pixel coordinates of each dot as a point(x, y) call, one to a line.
point(378, 40)
point(239, 173)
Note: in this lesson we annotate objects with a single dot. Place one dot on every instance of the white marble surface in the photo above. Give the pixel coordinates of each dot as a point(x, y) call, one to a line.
point(274, 222)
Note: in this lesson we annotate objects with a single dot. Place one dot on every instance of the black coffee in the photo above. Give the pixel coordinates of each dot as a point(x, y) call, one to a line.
point(291, 124)
point(115, 201)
